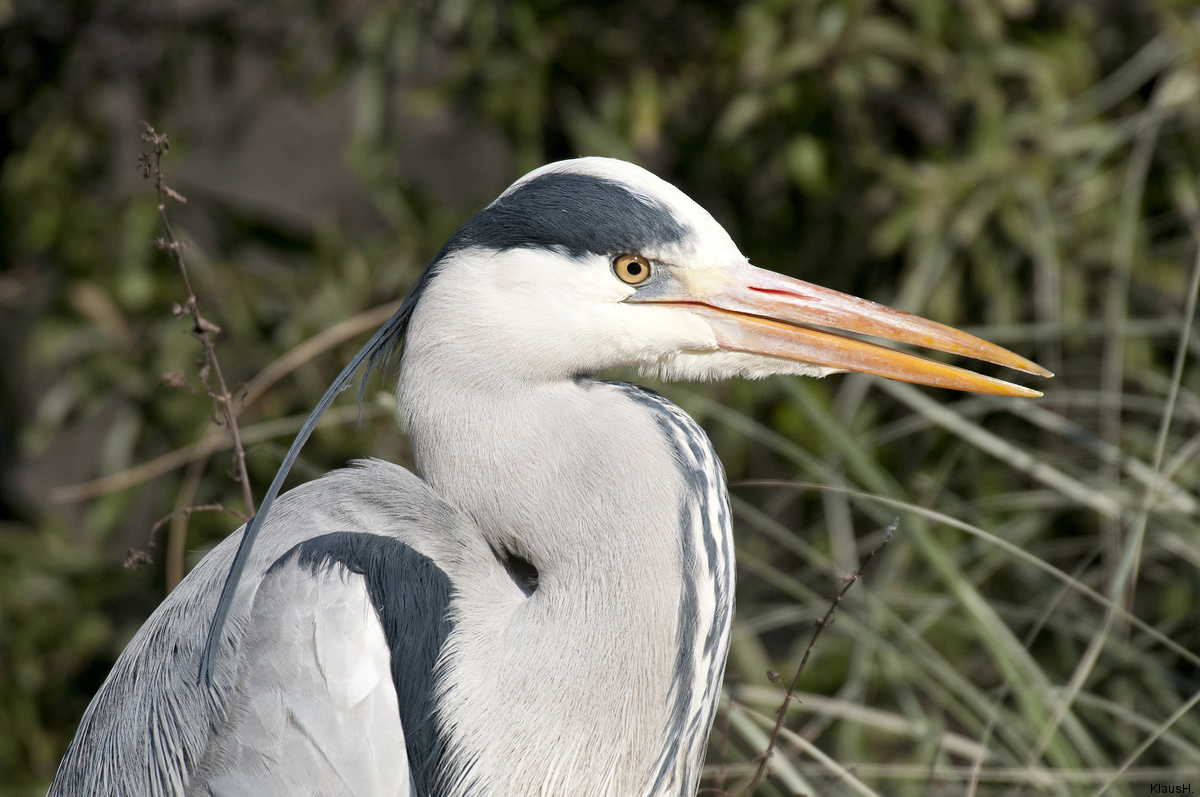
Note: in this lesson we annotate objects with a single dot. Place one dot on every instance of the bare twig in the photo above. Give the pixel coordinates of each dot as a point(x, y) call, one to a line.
point(202, 328)
point(135, 558)
point(206, 446)
point(187, 510)
point(764, 760)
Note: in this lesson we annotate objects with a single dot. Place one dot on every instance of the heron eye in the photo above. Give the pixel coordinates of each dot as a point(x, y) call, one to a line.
point(632, 269)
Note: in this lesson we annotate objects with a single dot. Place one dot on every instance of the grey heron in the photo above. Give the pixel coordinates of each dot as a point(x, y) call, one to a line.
point(546, 609)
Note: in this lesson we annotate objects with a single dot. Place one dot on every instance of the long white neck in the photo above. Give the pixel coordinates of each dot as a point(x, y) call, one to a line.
point(597, 681)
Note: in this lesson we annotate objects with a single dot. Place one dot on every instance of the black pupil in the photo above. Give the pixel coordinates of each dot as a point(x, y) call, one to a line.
point(634, 268)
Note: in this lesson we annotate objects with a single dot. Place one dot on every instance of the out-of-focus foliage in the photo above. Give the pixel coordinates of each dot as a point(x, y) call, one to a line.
point(1026, 169)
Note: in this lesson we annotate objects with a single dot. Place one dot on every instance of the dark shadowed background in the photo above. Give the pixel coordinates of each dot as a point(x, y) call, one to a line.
point(1026, 170)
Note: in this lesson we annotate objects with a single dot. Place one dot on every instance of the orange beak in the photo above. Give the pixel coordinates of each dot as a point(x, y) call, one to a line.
point(760, 312)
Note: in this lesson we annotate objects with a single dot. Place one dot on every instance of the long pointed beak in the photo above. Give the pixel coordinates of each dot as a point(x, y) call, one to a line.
point(762, 312)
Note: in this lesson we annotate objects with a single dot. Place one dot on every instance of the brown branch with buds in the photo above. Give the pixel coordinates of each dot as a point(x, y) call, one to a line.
point(224, 413)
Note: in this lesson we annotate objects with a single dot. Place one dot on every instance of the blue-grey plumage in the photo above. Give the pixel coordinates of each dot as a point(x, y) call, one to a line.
point(547, 609)
point(310, 593)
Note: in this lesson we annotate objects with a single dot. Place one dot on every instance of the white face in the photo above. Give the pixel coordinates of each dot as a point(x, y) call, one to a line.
point(557, 307)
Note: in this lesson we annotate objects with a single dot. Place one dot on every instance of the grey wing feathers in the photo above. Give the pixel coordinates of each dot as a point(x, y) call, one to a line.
point(315, 710)
point(151, 729)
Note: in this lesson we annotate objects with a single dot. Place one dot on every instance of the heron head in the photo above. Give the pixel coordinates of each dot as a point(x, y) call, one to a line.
point(596, 263)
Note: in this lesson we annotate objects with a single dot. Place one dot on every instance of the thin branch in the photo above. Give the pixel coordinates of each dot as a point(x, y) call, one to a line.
point(135, 558)
point(206, 446)
point(187, 510)
point(764, 761)
point(201, 327)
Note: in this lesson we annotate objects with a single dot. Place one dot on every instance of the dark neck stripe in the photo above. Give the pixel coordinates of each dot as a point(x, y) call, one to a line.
point(707, 562)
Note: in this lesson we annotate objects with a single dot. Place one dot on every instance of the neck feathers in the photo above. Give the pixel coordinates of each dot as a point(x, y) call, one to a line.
point(604, 678)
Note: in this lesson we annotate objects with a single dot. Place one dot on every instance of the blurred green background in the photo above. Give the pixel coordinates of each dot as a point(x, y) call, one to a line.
point(1025, 170)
